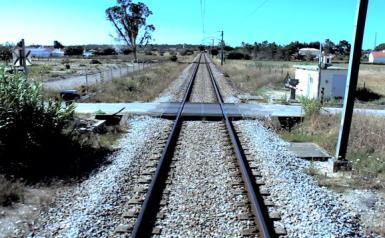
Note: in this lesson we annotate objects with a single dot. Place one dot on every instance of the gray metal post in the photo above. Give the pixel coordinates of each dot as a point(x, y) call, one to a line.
point(222, 45)
point(86, 82)
point(351, 84)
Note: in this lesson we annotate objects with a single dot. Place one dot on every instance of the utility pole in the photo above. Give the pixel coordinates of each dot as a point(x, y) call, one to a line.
point(222, 46)
point(350, 90)
point(320, 59)
point(375, 41)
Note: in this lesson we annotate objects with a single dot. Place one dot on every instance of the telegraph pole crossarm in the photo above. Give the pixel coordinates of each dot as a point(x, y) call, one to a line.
point(350, 90)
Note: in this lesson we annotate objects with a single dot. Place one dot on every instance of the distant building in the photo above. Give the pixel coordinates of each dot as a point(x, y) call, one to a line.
point(309, 51)
point(377, 57)
point(57, 53)
point(327, 59)
point(331, 85)
point(45, 52)
point(88, 54)
point(40, 52)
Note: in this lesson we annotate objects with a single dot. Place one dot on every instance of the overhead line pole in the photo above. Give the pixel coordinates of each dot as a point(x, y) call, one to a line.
point(351, 85)
point(222, 45)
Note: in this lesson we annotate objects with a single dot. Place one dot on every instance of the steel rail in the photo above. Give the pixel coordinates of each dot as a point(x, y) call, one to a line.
point(147, 215)
point(261, 216)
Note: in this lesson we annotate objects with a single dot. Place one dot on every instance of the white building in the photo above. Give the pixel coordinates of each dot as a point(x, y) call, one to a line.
point(57, 53)
point(332, 83)
point(377, 57)
point(40, 52)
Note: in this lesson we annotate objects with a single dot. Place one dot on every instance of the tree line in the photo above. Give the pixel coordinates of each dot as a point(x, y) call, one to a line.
point(272, 51)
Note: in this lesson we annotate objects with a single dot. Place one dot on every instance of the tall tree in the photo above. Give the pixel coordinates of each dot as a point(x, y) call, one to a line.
point(329, 47)
point(380, 47)
point(129, 20)
point(343, 47)
point(57, 45)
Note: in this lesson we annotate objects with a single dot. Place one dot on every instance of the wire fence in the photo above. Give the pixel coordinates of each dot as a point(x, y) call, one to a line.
point(88, 78)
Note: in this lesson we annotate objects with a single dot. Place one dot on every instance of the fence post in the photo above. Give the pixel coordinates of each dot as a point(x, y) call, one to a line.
point(86, 82)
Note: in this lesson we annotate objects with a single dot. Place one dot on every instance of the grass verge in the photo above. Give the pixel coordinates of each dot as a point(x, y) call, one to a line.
point(141, 86)
point(253, 76)
point(366, 146)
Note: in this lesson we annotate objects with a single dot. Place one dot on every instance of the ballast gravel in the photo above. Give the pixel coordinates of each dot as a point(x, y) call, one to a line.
point(202, 202)
point(228, 92)
point(175, 92)
point(307, 210)
point(202, 91)
point(93, 208)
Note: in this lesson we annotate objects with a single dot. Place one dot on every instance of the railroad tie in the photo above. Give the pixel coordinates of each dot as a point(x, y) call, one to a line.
point(131, 213)
point(275, 215)
point(156, 231)
point(123, 228)
point(249, 231)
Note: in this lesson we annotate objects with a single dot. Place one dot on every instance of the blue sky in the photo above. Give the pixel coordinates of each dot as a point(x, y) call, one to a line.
point(180, 21)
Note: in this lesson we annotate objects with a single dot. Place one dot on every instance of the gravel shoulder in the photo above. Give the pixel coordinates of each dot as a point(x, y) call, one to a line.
point(307, 210)
point(202, 91)
point(93, 208)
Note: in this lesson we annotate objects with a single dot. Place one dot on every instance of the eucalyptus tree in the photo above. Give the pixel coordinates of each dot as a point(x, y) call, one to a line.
point(130, 22)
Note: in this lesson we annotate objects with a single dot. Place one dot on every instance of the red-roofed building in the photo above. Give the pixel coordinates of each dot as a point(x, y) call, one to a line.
point(377, 57)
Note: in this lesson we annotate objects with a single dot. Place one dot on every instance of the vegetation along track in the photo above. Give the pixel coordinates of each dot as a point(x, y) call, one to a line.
point(203, 184)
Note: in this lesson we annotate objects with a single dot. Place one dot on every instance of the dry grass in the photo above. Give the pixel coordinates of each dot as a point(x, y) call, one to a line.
point(252, 76)
point(54, 68)
point(141, 86)
point(373, 76)
point(374, 80)
point(366, 144)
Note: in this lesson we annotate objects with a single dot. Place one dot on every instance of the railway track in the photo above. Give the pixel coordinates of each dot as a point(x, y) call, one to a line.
point(203, 181)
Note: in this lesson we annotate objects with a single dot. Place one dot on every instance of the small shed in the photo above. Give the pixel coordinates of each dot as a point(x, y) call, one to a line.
point(377, 57)
point(330, 82)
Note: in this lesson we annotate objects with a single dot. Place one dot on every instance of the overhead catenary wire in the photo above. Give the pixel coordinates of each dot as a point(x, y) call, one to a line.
point(257, 8)
point(203, 13)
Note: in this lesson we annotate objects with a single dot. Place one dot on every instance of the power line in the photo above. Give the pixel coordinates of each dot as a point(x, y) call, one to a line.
point(203, 12)
point(257, 8)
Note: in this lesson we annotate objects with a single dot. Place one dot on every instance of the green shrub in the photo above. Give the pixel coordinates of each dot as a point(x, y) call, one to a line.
point(73, 50)
point(310, 106)
point(173, 58)
point(106, 51)
point(5, 53)
point(95, 61)
point(32, 138)
point(10, 191)
point(127, 51)
point(214, 51)
point(238, 55)
point(186, 52)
